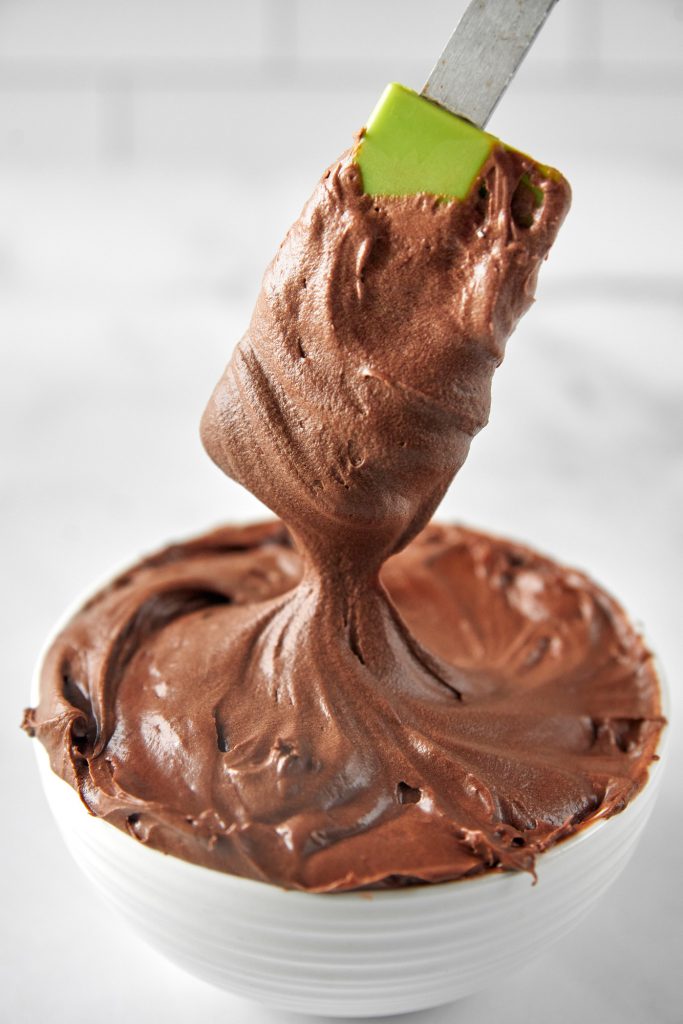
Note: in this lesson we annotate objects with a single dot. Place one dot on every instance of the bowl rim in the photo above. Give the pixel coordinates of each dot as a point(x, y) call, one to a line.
point(484, 879)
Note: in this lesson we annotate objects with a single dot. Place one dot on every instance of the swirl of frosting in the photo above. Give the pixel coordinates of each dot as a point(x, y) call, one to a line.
point(186, 707)
point(284, 705)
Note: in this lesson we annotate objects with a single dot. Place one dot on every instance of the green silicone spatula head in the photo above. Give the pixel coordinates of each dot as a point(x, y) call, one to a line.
point(434, 142)
point(412, 145)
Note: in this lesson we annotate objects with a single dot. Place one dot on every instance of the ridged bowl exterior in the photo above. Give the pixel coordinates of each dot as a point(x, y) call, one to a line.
point(349, 954)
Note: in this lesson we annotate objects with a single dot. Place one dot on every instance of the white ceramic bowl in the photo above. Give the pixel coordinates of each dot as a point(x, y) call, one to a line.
point(349, 954)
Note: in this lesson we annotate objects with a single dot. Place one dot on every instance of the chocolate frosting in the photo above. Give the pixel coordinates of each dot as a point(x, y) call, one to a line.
point(281, 704)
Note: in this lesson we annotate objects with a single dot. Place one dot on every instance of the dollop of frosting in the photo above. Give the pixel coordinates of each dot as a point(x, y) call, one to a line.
point(359, 700)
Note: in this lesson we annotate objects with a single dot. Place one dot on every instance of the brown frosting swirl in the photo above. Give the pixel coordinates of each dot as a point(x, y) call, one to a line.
point(283, 705)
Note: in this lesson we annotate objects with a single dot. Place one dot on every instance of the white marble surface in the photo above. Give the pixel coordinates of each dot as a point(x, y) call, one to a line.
point(122, 295)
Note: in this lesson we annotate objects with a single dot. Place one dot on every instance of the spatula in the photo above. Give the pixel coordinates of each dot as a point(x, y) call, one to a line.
point(434, 141)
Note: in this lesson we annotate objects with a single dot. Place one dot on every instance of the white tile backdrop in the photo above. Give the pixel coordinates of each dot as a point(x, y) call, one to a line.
point(152, 154)
point(82, 81)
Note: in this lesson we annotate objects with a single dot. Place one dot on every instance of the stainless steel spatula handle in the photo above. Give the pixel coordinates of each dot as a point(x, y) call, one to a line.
point(483, 54)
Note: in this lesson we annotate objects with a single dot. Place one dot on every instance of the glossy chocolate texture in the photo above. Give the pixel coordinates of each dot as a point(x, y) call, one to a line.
point(359, 699)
